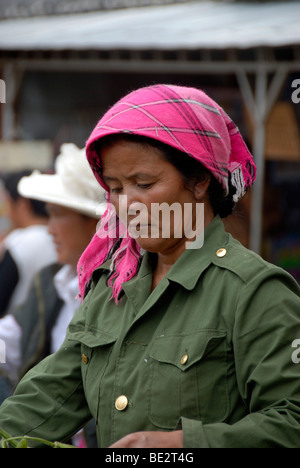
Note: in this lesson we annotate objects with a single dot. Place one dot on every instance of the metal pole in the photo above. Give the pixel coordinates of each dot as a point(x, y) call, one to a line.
point(259, 106)
point(259, 157)
point(256, 106)
point(13, 78)
point(8, 114)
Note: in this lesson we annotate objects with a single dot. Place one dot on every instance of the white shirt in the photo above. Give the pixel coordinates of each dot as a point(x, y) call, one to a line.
point(32, 249)
point(66, 285)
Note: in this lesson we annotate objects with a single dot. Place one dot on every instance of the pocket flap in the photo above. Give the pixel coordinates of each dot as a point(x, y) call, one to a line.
point(90, 337)
point(185, 350)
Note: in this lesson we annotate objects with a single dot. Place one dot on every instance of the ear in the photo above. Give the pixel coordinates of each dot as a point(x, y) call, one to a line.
point(200, 188)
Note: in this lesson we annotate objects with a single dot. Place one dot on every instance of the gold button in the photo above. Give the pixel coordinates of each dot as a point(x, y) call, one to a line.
point(84, 358)
point(221, 253)
point(121, 402)
point(184, 359)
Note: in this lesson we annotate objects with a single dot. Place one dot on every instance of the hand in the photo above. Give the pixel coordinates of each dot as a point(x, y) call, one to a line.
point(151, 439)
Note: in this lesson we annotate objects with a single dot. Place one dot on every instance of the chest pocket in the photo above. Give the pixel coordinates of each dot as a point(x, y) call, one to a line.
point(188, 378)
point(93, 363)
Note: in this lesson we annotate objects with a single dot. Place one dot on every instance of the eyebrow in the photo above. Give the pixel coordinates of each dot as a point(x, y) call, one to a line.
point(108, 179)
point(137, 175)
point(52, 208)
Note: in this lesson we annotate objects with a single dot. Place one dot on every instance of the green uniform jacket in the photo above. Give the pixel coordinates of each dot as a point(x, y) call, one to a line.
point(210, 350)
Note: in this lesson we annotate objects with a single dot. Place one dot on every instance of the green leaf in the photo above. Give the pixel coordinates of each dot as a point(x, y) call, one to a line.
point(22, 444)
point(8, 441)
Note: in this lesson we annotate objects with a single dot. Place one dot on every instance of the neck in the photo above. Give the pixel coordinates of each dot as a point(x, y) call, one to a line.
point(166, 260)
point(164, 263)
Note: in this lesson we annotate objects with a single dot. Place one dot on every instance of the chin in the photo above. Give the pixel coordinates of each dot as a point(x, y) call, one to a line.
point(61, 259)
point(156, 245)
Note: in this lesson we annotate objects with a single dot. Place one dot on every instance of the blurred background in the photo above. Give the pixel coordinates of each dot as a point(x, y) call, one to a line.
point(64, 62)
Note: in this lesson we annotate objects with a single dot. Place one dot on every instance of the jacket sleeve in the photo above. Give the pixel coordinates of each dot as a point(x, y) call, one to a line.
point(49, 401)
point(268, 377)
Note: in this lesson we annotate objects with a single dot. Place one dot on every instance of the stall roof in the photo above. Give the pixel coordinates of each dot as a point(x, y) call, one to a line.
point(193, 25)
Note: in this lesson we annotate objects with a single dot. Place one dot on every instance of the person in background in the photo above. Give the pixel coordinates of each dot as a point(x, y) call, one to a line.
point(26, 249)
point(74, 203)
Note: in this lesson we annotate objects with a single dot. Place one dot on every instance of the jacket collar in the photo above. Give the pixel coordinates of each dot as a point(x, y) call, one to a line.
point(185, 272)
point(194, 261)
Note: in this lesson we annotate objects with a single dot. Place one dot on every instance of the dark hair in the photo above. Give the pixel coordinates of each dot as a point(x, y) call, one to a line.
point(10, 181)
point(191, 170)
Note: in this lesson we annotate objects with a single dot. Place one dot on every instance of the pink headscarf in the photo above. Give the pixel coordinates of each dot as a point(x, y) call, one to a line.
point(186, 119)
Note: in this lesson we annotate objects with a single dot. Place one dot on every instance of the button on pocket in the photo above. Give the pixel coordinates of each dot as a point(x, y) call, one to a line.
point(188, 378)
point(121, 403)
point(84, 358)
point(95, 351)
point(184, 359)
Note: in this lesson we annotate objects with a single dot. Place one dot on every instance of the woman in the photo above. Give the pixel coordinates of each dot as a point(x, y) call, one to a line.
point(74, 203)
point(38, 327)
point(183, 343)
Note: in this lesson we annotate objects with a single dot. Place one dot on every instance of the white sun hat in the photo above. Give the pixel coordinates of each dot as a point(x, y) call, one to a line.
point(73, 185)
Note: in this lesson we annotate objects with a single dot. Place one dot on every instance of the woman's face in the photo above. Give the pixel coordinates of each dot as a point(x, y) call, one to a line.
point(149, 195)
point(71, 232)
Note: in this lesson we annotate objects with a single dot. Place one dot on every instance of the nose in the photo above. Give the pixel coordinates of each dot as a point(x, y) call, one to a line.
point(50, 226)
point(130, 206)
point(53, 226)
point(128, 197)
point(128, 209)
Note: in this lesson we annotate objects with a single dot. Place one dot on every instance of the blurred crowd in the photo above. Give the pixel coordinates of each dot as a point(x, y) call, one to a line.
point(52, 218)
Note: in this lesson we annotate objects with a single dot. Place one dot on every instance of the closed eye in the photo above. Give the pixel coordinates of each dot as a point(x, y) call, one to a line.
point(115, 190)
point(144, 186)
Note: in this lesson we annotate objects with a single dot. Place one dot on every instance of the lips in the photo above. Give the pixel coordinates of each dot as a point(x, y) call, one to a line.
point(139, 230)
point(58, 246)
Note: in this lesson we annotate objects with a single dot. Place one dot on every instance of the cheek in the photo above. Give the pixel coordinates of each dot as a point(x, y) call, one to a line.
point(68, 245)
point(73, 236)
point(62, 231)
point(55, 227)
point(114, 203)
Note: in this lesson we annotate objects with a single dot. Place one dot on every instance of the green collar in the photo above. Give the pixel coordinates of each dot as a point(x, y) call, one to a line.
point(192, 263)
point(186, 271)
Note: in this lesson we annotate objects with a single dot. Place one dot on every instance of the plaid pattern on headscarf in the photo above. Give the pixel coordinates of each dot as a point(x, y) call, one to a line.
point(184, 118)
point(187, 119)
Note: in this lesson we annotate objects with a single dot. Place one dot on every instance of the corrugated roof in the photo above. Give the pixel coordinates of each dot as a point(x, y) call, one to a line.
point(193, 25)
point(30, 8)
